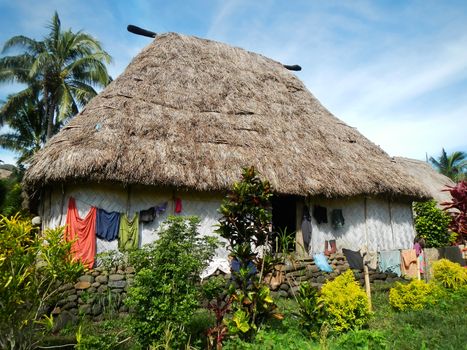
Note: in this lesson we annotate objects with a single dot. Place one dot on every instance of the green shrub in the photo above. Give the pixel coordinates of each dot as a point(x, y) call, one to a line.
point(360, 339)
point(415, 295)
point(449, 274)
point(311, 312)
point(245, 224)
point(164, 295)
point(345, 303)
point(432, 224)
point(32, 267)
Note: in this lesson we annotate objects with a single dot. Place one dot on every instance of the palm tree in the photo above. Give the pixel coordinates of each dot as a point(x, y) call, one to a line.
point(65, 67)
point(27, 127)
point(453, 166)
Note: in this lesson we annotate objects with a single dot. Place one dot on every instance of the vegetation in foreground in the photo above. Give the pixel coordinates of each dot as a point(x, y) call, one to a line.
point(171, 309)
point(437, 326)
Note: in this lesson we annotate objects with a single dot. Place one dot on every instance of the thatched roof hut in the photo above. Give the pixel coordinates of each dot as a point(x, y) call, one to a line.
point(190, 113)
point(433, 182)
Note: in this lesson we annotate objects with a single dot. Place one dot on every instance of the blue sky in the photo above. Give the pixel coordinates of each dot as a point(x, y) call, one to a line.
point(395, 70)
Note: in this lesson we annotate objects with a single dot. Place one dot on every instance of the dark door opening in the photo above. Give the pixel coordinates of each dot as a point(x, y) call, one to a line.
point(284, 222)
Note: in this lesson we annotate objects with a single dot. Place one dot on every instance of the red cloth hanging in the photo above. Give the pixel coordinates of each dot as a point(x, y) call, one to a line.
point(178, 205)
point(82, 232)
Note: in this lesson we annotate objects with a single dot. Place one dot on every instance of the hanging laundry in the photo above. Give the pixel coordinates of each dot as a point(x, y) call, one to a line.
point(128, 238)
point(370, 259)
point(354, 259)
point(178, 205)
point(337, 218)
point(147, 215)
point(107, 225)
point(320, 214)
point(418, 246)
point(409, 262)
point(306, 228)
point(322, 262)
point(390, 261)
point(150, 214)
point(82, 232)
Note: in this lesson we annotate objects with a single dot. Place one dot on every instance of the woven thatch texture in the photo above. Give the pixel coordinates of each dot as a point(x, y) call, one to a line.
point(432, 181)
point(190, 112)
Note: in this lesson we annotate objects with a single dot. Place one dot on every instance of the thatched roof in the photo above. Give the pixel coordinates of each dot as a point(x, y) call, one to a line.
point(190, 113)
point(432, 181)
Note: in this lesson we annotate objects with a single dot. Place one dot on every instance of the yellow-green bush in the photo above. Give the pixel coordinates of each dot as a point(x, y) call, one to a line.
point(345, 302)
point(412, 296)
point(449, 274)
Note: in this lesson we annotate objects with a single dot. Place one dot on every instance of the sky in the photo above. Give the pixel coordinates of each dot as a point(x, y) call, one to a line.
point(395, 70)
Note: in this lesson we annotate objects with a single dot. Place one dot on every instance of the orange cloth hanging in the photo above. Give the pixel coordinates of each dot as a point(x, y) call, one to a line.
point(409, 263)
point(82, 232)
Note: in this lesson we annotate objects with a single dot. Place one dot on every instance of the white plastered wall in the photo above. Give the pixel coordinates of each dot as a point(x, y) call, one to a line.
point(132, 200)
point(377, 223)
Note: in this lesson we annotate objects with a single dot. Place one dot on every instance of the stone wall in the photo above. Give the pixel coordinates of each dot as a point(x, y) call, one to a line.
point(292, 273)
point(99, 292)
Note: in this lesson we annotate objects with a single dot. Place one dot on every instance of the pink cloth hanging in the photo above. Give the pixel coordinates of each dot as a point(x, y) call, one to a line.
point(82, 232)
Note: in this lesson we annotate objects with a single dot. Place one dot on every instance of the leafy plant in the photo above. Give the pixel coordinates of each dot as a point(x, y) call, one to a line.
point(32, 267)
point(164, 293)
point(449, 274)
point(108, 335)
point(345, 303)
point(431, 223)
point(458, 202)
point(246, 224)
point(361, 339)
point(415, 295)
point(219, 303)
point(311, 310)
point(453, 166)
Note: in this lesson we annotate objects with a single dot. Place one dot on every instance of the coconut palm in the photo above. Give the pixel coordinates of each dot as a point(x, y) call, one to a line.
point(453, 166)
point(27, 127)
point(65, 66)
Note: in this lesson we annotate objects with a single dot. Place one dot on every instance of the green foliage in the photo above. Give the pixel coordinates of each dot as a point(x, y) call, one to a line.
point(164, 294)
point(13, 201)
point(449, 274)
point(32, 267)
point(59, 75)
point(11, 194)
point(218, 303)
point(438, 326)
point(246, 211)
point(415, 295)
point(345, 303)
point(431, 223)
point(361, 340)
point(453, 166)
point(106, 335)
point(311, 311)
point(246, 224)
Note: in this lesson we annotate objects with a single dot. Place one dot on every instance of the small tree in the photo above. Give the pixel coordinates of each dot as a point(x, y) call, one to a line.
point(32, 267)
point(164, 294)
point(432, 224)
point(458, 202)
point(246, 224)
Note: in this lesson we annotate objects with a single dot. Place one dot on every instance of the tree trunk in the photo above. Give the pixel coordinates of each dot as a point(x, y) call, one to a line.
point(49, 112)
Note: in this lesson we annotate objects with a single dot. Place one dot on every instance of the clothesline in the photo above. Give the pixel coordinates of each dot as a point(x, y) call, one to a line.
point(109, 226)
point(93, 205)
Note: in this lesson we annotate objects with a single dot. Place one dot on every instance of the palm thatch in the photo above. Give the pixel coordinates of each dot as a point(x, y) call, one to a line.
point(190, 113)
point(432, 181)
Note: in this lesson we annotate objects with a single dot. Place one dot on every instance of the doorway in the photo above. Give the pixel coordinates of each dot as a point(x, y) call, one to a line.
point(284, 222)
